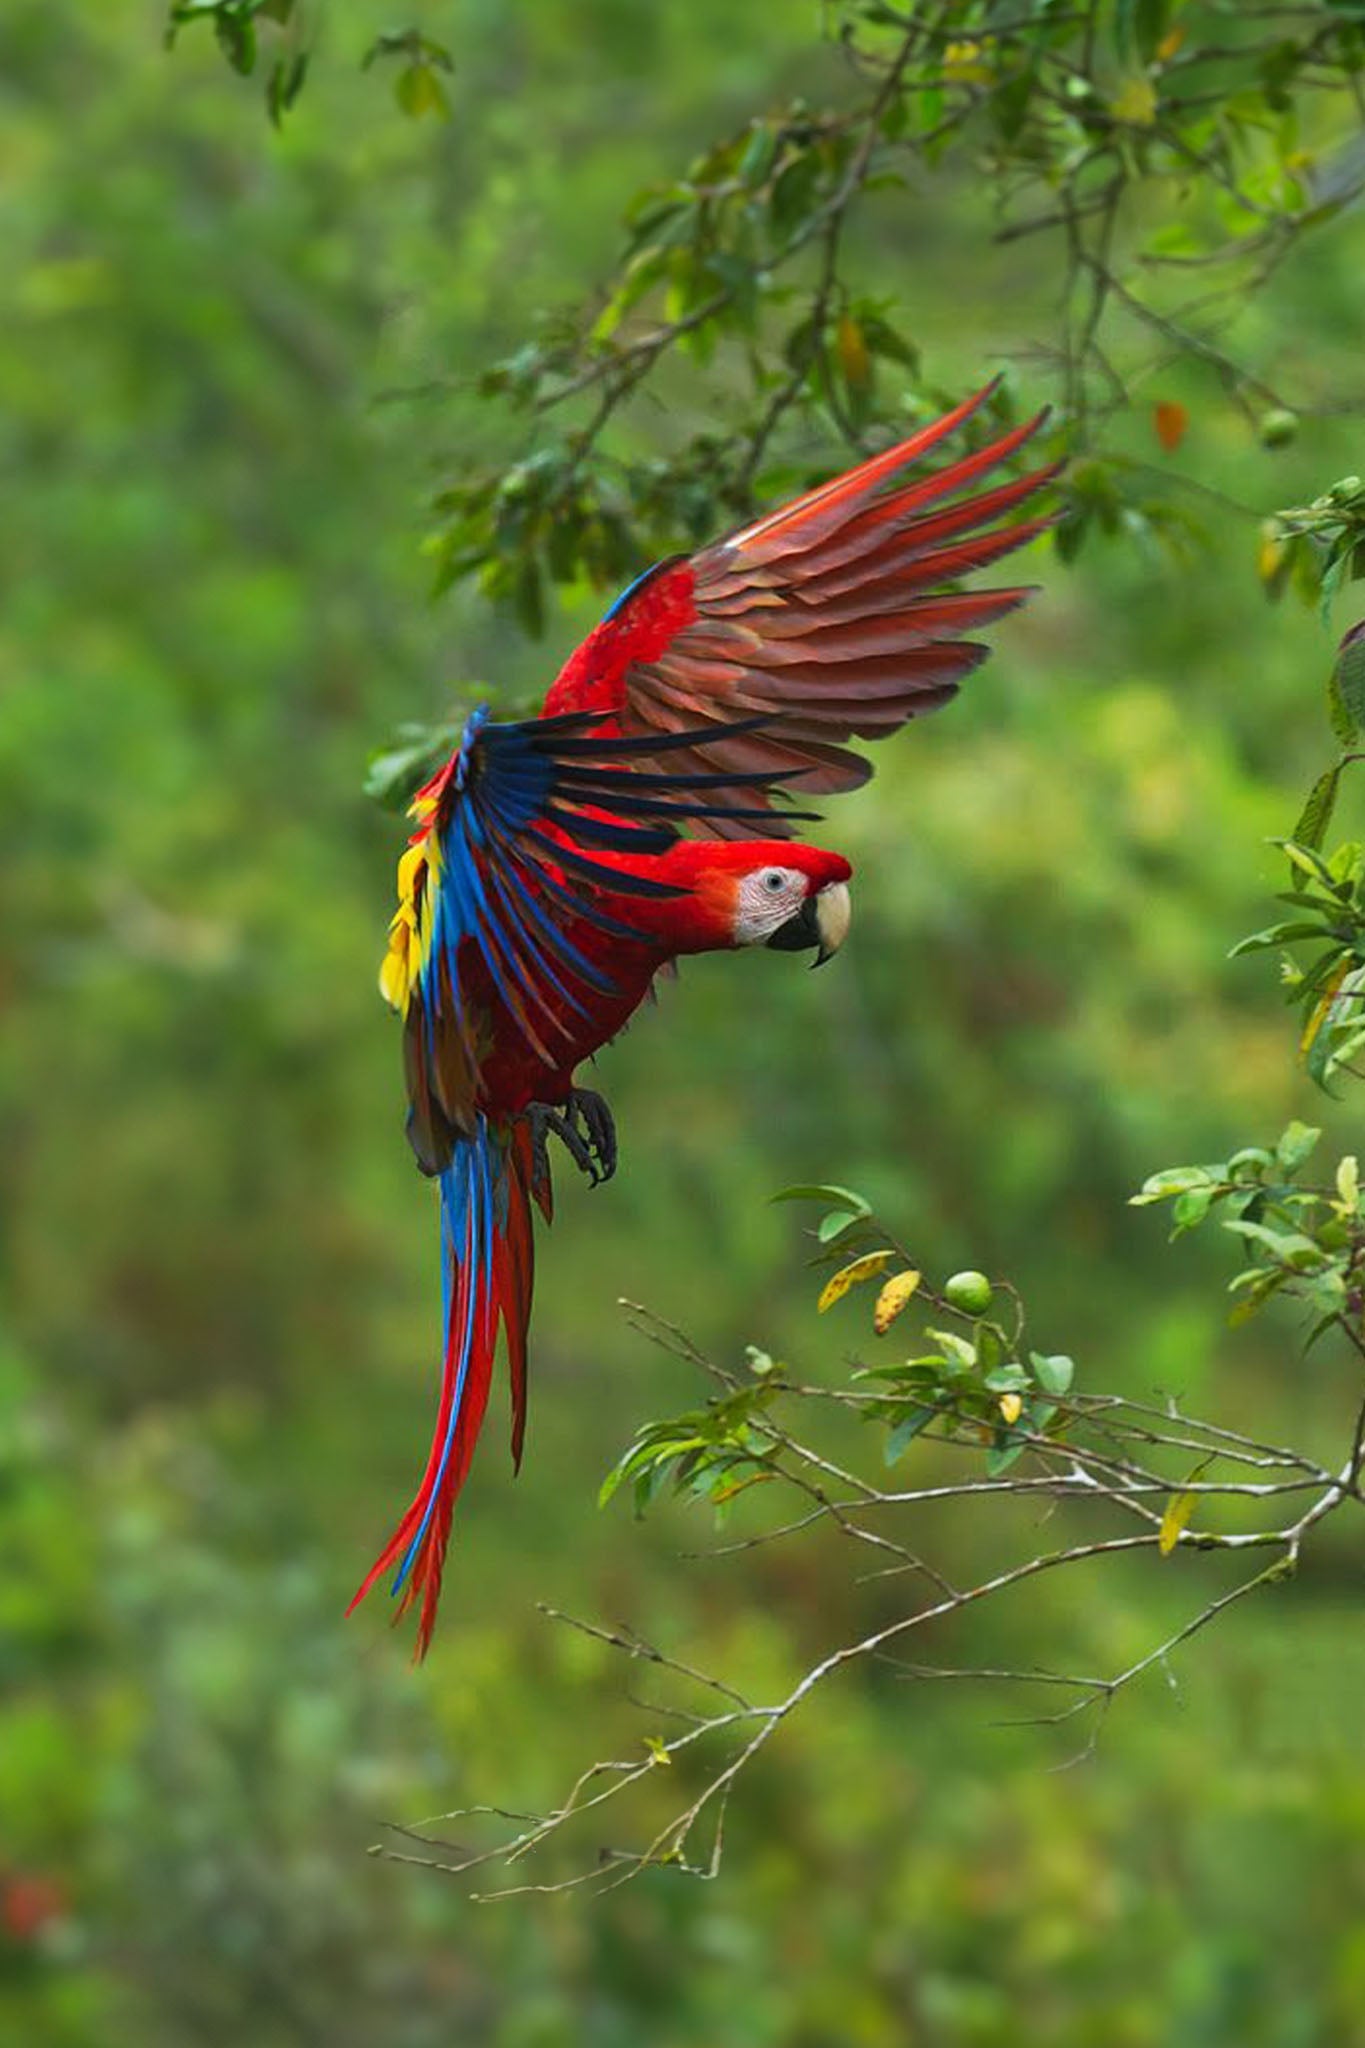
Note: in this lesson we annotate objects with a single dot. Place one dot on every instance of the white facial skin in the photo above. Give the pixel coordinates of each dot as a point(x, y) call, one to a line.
point(765, 900)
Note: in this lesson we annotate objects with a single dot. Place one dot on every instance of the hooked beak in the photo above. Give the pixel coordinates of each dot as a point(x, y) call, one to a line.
point(820, 924)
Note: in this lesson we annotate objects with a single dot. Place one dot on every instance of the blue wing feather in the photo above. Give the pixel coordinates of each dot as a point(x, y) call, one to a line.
point(506, 863)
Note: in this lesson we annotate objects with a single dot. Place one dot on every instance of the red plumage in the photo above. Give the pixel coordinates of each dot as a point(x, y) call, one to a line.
point(530, 927)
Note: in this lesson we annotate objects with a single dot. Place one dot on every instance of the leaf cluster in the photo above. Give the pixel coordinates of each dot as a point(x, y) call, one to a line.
point(239, 26)
point(711, 1453)
point(1165, 155)
point(1323, 940)
point(971, 1379)
point(1301, 1240)
point(743, 265)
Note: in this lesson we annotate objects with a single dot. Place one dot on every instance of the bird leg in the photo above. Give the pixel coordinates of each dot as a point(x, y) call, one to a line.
point(586, 1129)
point(599, 1128)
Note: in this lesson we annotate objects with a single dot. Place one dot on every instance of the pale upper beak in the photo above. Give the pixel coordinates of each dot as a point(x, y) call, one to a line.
point(833, 915)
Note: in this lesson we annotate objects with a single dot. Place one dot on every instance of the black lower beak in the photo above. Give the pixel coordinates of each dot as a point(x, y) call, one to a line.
point(820, 926)
point(800, 934)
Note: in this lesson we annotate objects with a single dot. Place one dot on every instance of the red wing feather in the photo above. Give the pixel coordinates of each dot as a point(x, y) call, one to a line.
point(828, 615)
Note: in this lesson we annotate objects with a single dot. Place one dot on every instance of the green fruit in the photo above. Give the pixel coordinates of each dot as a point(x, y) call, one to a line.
point(1278, 428)
point(972, 1293)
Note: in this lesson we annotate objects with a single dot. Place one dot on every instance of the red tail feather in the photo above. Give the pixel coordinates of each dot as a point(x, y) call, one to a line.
point(494, 1274)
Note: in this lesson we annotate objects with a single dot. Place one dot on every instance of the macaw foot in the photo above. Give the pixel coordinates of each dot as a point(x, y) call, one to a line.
point(586, 1129)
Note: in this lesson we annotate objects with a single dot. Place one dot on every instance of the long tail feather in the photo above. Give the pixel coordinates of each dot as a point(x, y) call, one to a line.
point(487, 1274)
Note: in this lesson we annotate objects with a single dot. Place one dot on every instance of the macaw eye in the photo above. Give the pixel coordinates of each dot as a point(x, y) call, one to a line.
point(774, 880)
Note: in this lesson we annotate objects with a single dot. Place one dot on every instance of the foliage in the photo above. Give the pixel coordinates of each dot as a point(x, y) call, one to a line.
point(1139, 147)
point(977, 1388)
point(1147, 148)
point(239, 26)
point(237, 366)
point(1327, 895)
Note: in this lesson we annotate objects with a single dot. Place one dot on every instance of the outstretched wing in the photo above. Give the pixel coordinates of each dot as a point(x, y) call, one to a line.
point(505, 859)
point(828, 618)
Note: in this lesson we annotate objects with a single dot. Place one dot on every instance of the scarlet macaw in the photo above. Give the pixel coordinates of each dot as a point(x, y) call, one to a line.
point(546, 884)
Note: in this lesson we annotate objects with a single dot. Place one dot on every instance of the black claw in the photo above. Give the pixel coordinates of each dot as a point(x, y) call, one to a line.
point(577, 1147)
point(586, 1129)
point(599, 1127)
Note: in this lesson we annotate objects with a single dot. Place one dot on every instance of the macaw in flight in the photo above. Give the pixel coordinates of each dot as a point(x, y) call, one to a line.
point(548, 881)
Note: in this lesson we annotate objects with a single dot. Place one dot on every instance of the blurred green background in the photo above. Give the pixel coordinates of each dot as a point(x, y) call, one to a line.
point(233, 365)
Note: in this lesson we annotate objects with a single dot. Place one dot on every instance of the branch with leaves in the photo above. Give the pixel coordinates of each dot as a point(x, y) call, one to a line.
point(273, 39)
point(1118, 1476)
point(747, 265)
point(1164, 156)
point(997, 1421)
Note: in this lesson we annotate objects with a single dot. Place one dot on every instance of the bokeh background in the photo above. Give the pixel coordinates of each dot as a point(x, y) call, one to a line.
point(233, 366)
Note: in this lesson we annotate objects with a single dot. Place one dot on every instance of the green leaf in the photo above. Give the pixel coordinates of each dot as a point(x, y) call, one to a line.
point(1191, 1208)
point(958, 1355)
point(237, 40)
point(990, 1352)
point(1308, 861)
point(392, 776)
point(1291, 1247)
point(286, 82)
point(1068, 535)
point(883, 340)
point(1002, 1455)
point(1294, 1145)
point(1261, 1283)
point(1054, 1371)
point(760, 153)
point(1139, 26)
point(1009, 104)
point(819, 1191)
point(835, 1224)
point(1253, 1159)
point(1339, 717)
point(1349, 675)
point(795, 194)
point(1173, 1180)
point(1278, 935)
point(1007, 1379)
point(1316, 814)
point(909, 1426)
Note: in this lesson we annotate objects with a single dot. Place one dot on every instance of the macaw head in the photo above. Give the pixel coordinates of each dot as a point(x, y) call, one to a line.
point(756, 892)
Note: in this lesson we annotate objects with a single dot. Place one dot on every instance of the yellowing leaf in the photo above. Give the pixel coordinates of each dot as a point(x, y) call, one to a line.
point(1135, 103)
point(1011, 1407)
point(1348, 1185)
point(854, 360)
point(1170, 44)
point(419, 91)
point(848, 1276)
point(724, 1493)
point(658, 1750)
point(1272, 553)
point(1322, 1011)
point(962, 64)
point(1179, 1508)
point(893, 1298)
